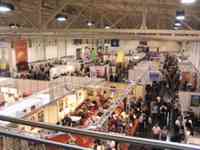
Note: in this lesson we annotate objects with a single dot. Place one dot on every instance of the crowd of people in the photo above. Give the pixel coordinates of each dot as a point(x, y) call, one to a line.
point(115, 72)
point(155, 115)
point(159, 113)
point(37, 72)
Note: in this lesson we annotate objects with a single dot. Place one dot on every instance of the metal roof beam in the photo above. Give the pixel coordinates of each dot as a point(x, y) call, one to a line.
point(74, 19)
point(67, 2)
point(22, 14)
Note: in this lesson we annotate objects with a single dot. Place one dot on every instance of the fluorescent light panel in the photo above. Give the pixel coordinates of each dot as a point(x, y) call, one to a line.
point(180, 17)
point(89, 24)
point(61, 18)
point(180, 14)
point(177, 24)
point(107, 27)
point(188, 1)
point(6, 7)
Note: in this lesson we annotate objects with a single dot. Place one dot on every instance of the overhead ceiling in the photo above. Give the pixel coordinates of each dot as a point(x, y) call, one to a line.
point(153, 14)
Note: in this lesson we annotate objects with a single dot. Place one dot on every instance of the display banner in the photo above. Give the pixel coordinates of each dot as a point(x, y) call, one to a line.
point(21, 55)
point(120, 56)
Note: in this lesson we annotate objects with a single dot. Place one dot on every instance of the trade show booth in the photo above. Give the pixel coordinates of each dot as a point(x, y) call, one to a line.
point(14, 90)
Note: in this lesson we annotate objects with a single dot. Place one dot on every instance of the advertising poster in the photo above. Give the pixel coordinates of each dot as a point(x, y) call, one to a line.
point(21, 55)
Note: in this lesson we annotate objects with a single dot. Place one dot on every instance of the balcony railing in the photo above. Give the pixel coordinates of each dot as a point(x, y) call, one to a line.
point(97, 135)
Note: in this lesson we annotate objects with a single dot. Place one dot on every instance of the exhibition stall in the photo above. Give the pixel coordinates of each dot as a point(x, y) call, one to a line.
point(21, 97)
point(190, 100)
point(190, 104)
point(63, 85)
point(25, 106)
point(56, 110)
point(111, 66)
point(49, 69)
point(145, 72)
point(84, 107)
point(84, 100)
point(66, 69)
point(14, 90)
point(190, 77)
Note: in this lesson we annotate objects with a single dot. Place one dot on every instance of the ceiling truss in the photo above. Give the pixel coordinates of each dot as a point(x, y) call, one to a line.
point(39, 15)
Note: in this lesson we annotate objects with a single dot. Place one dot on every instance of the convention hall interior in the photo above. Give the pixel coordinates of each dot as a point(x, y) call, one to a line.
point(99, 74)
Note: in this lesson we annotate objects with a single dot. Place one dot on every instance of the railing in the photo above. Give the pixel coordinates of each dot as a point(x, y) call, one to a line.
point(108, 113)
point(96, 135)
point(16, 141)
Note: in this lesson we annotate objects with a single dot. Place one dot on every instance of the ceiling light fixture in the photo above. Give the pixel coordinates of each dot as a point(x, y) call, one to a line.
point(14, 26)
point(136, 57)
point(188, 1)
point(177, 24)
point(180, 15)
point(107, 27)
point(90, 24)
point(61, 18)
point(176, 28)
point(6, 7)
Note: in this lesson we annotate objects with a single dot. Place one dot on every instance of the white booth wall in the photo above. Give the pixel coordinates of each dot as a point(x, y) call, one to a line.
point(40, 49)
point(66, 47)
point(194, 58)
